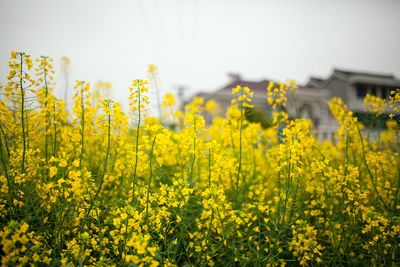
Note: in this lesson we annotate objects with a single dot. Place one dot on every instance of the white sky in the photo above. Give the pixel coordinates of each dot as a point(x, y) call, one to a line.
point(196, 42)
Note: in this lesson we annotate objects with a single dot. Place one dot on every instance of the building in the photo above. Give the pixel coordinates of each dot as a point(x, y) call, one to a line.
point(311, 100)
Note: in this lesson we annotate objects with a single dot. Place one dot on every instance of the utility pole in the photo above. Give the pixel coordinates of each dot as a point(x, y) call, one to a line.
point(66, 69)
point(181, 96)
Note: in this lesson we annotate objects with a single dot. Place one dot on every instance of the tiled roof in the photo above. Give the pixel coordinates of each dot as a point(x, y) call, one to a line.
point(253, 85)
point(348, 74)
point(315, 82)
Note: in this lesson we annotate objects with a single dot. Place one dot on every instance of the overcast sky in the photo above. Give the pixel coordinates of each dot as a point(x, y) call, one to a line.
point(195, 43)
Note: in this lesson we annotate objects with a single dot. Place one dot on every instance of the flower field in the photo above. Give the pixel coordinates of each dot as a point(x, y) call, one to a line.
point(103, 187)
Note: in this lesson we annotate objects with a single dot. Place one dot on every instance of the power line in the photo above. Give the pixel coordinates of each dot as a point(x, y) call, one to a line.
point(160, 26)
point(193, 37)
point(150, 34)
point(181, 38)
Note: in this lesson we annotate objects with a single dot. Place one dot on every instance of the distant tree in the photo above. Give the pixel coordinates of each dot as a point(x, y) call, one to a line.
point(259, 116)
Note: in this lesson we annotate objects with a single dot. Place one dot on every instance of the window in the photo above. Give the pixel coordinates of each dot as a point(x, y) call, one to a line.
point(361, 90)
point(392, 88)
point(306, 112)
point(385, 92)
point(374, 91)
point(370, 121)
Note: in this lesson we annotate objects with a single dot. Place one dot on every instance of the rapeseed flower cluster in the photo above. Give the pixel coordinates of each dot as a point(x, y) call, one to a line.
point(277, 93)
point(375, 104)
point(103, 187)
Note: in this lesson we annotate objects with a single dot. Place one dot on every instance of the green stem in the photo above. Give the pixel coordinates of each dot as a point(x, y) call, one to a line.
point(194, 150)
point(5, 141)
point(104, 166)
point(5, 167)
point(82, 127)
point(22, 116)
point(396, 197)
point(327, 200)
point(369, 171)
point(137, 144)
point(239, 169)
point(209, 167)
point(150, 176)
point(288, 186)
point(54, 131)
point(47, 122)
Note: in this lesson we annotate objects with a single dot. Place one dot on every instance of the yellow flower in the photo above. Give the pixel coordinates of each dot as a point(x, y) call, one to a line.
point(277, 96)
point(62, 164)
point(375, 104)
point(138, 99)
point(244, 96)
point(24, 227)
point(152, 68)
point(35, 257)
point(78, 83)
point(52, 171)
point(212, 107)
point(168, 100)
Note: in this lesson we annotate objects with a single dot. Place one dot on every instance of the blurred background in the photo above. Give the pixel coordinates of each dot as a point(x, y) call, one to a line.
point(195, 43)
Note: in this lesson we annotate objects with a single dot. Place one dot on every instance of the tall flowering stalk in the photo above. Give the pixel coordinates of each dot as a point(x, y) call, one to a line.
point(196, 121)
point(277, 99)
point(4, 164)
point(394, 104)
point(59, 117)
point(107, 106)
point(151, 158)
point(4, 156)
point(138, 100)
point(20, 80)
point(243, 98)
point(81, 96)
point(45, 74)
